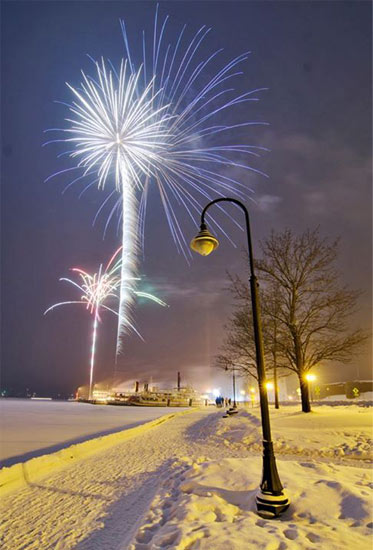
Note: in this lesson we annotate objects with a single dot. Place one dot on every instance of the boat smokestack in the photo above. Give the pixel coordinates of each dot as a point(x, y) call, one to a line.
point(178, 381)
point(136, 386)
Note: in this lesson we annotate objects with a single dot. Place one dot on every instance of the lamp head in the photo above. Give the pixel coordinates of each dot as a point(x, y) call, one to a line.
point(204, 243)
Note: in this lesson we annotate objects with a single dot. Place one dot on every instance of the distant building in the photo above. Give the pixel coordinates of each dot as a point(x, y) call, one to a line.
point(351, 389)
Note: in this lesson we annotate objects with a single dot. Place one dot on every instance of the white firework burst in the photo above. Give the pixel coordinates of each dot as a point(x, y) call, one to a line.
point(163, 120)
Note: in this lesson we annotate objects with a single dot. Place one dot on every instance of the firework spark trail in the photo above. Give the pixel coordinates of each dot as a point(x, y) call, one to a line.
point(97, 289)
point(116, 130)
point(161, 119)
point(195, 104)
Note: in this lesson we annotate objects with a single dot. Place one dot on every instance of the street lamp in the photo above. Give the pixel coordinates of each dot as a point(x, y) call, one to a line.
point(310, 378)
point(234, 387)
point(271, 500)
point(233, 409)
point(252, 396)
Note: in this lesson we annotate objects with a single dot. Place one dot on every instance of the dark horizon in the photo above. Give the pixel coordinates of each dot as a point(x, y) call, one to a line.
point(315, 58)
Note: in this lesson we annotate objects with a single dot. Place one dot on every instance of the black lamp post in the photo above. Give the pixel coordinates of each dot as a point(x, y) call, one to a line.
point(234, 389)
point(271, 500)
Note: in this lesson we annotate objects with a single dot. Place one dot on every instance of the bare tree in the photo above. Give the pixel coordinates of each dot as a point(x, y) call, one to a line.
point(272, 333)
point(238, 350)
point(313, 310)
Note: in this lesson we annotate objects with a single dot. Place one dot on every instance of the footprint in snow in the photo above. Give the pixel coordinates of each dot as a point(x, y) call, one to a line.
point(167, 539)
point(261, 523)
point(312, 537)
point(291, 534)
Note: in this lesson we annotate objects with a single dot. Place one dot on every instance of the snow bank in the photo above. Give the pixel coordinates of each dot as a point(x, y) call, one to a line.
point(20, 474)
point(363, 397)
point(341, 432)
point(211, 505)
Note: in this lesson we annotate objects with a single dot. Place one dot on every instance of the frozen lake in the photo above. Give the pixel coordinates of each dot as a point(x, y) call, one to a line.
point(31, 428)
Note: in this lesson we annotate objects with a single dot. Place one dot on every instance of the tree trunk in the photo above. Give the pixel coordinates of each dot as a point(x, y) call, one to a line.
point(305, 395)
point(277, 406)
point(303, 383)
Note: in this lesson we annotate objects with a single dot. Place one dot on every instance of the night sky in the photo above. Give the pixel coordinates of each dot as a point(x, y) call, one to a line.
point(315, 58)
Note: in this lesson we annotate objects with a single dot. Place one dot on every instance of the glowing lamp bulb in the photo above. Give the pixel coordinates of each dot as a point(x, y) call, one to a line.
point(252, 390)
point(310, 377)
point(269, 386)
point(204, 243)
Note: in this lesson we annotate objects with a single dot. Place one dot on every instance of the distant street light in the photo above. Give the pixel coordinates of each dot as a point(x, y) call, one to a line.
point(252, 396)
point(310, 379)
point(234, 389)
point(233, 382)
point(271, 500)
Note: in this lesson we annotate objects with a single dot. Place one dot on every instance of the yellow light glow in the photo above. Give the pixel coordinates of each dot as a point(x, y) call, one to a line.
point(203, 246)
point(204, 243)
point(252, 390)
point(242, 392)
point(310, 377)
point(269, 386)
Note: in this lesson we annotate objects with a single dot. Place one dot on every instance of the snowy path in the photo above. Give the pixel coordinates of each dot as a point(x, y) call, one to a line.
point(96, 503)
point(159, 491)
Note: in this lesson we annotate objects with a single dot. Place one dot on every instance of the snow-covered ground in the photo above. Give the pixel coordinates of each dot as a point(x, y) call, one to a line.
point(31, 428)
point(190, 484)
point(328, 431)
point(211, 505)
point(364, 396)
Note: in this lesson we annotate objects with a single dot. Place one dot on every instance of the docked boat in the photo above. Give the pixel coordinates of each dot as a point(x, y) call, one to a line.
point(148, 397)
point(185, 397)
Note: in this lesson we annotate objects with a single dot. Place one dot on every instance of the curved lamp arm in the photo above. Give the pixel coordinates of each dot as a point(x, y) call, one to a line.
point(247, 219)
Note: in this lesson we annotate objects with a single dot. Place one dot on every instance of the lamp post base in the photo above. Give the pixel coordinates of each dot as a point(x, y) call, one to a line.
point(271, 506)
